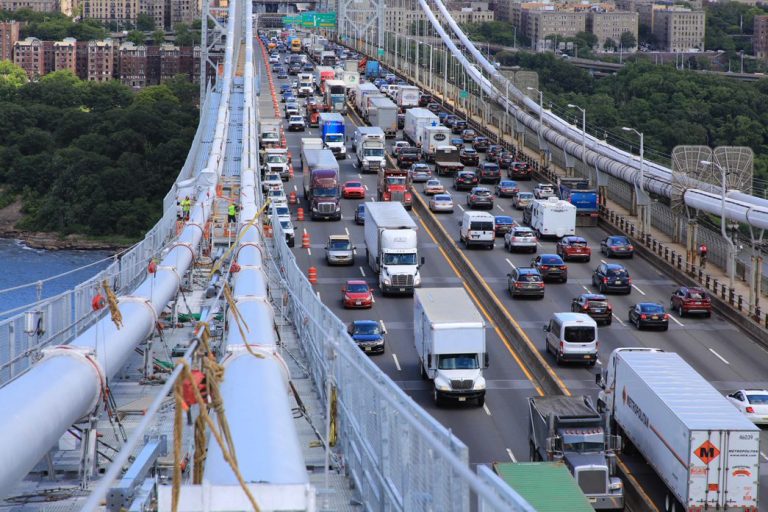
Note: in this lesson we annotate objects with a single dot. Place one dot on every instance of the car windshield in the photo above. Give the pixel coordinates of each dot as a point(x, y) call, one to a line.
point(367, 328)
point(286, 224)
point(357, 287)
point(282, 211)
point(470, 152)
point(276, 193)
point(395, 180)
point(433, 183)
point(482, 193)
point(373, 152)
point(400, 259)
point(583, 447)
point(503, 220)
point(697, 295)
point(529, 278)
point(579, 334)
point(523, 233)
point(325, 192)
point(334, 137)
point(508, 184)
point(353, 184)
point(651, 308)
point(296, 119)
point(276, 159)
point(457, 362)
point(340, 245)
point(361, 208)
point(443, 198)
point(577, 243)
point(479, 225)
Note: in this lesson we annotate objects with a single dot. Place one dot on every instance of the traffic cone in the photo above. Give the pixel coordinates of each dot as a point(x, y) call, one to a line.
point(300, 214)
point(305, 241)
point(290, 171)
point(292, 197)
point(312, 275)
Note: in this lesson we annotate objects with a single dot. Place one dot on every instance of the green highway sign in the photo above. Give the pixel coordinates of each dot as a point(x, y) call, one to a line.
point(312, 19)
point(291, 20)
point(463, 95)
point(381, 52)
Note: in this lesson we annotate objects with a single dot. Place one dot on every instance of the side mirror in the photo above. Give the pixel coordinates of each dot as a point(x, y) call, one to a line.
point(378, 260)
point(545, 328)
point(486, 360)
point(599, 380)
point(343, 289)
point(422, 260)
point(429, 361)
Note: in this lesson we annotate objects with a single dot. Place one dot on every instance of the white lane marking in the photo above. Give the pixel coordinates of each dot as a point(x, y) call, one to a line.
point(309, 251)
point(310, 132)
point(354, 165)
point(295, 188)
point(719, 356)
point(499, 207)
point(599, 362)
point(366, 187)
point(346, 230)
point(676, 320)
point(342, 218)
point(486, 409)
point(603, 262)
point(638, 289)
point(763, 456)
point(588, 290)
point(510, 263)
point(362, 272)
point(383, 327)
point(619, 319)
point(460, 207)
point(397, 363)
point(359, 175)
point(511, 455)
point(305, 231)
point(373, 299)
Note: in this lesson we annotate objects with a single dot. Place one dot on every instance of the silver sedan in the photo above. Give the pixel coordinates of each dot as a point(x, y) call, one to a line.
point(441, 203)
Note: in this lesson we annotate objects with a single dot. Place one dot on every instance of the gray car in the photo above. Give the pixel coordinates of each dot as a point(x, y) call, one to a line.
point(520, 238)
point(420, 173)
point(522, 199)
point(339, 250)
point(480, 197)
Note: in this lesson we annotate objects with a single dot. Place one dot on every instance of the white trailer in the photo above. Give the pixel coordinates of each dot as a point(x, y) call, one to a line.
point(365, 106)
point(368, 143)
point(449, 334)
point(434, 137)
point(351, 79)
point(415, 121)
point(706, 452)
point(553, 217)
point(269, 133)
point(382, 113)
point(407, 96)
point(391, 247)
point(362, 91)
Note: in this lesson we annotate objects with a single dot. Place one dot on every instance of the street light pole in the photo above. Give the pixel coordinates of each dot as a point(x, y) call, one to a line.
point(644, 217)
point(541, 107)
point(723, 230)
point(583, 131)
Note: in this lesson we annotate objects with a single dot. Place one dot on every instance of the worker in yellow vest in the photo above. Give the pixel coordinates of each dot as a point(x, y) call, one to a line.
point(186, 205)
point(232, 213)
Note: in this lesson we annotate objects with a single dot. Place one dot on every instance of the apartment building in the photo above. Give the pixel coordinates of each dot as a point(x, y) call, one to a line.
point(679, 29)
point(133, 65)
point(65, 55)
point(9, 35)
point(34, 5)
point(401, 16)
point(158, 10)
point(101, 60)
point(183, 11)
point(111, 11)
point(611, 25)
point(29, 54)
point(538, 24)
point(760, 37)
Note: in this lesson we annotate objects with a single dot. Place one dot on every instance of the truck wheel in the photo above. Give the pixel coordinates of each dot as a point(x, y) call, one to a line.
point(436, 397)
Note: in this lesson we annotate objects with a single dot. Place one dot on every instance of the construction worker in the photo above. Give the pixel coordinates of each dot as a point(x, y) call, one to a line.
point(232, 213)
point(186, 205)
point(703, 254)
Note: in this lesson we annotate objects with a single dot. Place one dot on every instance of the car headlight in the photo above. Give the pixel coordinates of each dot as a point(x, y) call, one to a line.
point(616, 484)
point(417, 280)
point(387, 281)
point(479, 384)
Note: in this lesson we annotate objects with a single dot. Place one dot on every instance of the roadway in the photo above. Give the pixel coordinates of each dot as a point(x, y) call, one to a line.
point(717, 349)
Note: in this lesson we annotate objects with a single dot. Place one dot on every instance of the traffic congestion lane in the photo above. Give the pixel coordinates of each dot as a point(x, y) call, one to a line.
point(489, 435)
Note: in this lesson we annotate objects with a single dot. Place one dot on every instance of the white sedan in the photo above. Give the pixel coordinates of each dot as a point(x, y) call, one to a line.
point(753, 403)
point(432, 187)
point(441, 203)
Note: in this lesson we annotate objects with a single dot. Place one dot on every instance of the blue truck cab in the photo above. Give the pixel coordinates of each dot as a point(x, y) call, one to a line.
point(579, 193)
point(333, 133)
point(372, 69)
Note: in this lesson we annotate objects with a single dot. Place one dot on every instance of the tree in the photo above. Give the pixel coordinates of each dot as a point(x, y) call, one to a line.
point(145, 22)
point(158, 37)
point(609, 44)
point(184, 36)
point(12, 75)
point(136, 37)
point(628, 40)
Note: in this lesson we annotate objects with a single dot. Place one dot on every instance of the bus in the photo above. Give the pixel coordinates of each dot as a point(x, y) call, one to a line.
point(296, 45)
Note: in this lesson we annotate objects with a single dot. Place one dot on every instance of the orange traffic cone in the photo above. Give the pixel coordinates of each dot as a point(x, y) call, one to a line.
point(305, 241)
point(300, 214)
point(292, 197)
point(312, 275)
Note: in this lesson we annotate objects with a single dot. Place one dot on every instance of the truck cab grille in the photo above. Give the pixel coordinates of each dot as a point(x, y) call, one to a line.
point(402, 280)
point(326, 207)
point(462, 384)
point(592, 481)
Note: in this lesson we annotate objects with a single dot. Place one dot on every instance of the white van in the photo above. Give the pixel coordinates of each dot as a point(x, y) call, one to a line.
point(477, 228)
point(572, 337)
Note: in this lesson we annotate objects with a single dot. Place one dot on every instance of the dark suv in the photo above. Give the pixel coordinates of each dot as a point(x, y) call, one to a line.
point(612, 277)
point(551, 266)
point(464, 180)
point(525, 281)
point(406, 157)
point(469, 156)
point(519, 170)
point(594, 305)
point(489, 173)
point(617, 245)
point(480, 197)
point(691, 300)
point(458, 126)
point(481, 144)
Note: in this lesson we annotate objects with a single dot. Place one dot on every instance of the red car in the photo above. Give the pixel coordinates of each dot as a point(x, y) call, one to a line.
point(691, 300)
point(353, 190)
point(573, 247)
point(356, 294)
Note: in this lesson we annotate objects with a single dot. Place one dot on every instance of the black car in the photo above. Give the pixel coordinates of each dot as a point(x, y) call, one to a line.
point(525, 281)
point(505, 160)
point(406, 157)
point(425, 100)
point(294, 69)
point(458, 126)
point(519, 170)
point(594, 305)
point(434, 107)
point(464, 180)
point(449, 120)
point(551, 267)
point(617, 246)
point(649, 314)
point(360, 214)
point(612, 277)
point(489, 173)
point(481, 144)
point(493, 152)
point(469, 156)
point(480, 197)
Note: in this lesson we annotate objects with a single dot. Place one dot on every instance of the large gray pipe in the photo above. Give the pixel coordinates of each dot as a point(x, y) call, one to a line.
point(66, 385)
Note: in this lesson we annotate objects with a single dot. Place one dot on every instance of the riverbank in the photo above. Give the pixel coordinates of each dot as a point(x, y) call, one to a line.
point(12, 214)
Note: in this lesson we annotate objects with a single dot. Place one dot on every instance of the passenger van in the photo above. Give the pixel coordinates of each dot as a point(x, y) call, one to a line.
point(477, 228)
point(572, 337)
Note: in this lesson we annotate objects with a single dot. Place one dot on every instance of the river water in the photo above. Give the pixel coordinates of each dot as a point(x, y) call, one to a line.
point(21, 265)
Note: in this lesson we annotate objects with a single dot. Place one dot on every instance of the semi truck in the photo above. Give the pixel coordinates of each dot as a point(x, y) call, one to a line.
point(351, 79)
point(702, 447)
point(276, 160)
point(447, 160)
point(382, 113)
point(368, 143)
point(449, 334)
point(336, 95)
point(415, 121)
point(372, 69)
point(306, 85)
point(324, 73)
point(321, 183)
point(311, 143)
point(333, 133)
point(568, 428)
point(394, 184)
point(578, 192)
point(362, 91)
point(391, 247)
point(434, 136)
point(269, 133)
point(553, 217)
point(407, 96)
point(328, 58)
point(545, 486)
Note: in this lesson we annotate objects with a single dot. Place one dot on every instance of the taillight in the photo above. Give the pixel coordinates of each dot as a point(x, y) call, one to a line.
point(544, 267)
point(562, 346)
point(629, 280)
point(666, 316)
point(605, 280)
point(750, 410)
point(630, 247)
point(565, 267)
point(541, 285)
point(643, 316)
point(518, 285)
point(586, 307)
point(408, 196)
point(614, 247)
point(610, 307)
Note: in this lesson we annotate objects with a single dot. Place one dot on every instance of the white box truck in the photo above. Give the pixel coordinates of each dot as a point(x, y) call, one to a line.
point(449, 334)
point(391, 247)
point(311, 143)
point(415, 121)
point(706, 452)
point(407, 96)
point(434, 137)
point(368, 143)
point(269, 133)
point(365, 107)
point(553, 217)
point(382, 113)
point(361, 92)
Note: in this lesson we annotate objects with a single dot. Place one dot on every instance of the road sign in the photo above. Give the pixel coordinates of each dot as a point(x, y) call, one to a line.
point(312, 19)
point(464, 95)
point(381, 52)
point(291, 20)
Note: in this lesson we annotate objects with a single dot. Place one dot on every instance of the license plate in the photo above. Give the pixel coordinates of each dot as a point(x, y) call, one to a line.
point(618, 281)
point(655, 317)
point(587, 356)
point(357, 302)
point(462, 399)
point(367, 349)
point(599, 310)
point(402, 289)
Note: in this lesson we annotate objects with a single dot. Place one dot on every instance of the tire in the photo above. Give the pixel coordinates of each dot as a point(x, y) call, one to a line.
point(708, 314)
point(422, 373)
point(591, 363)
point(665, 328)
point(481, 401)
point(533, 454)
point(588, 259)
point(601, 288)
point(609, 321)
point(680, 311)
point(437, 399)
point(558, 359)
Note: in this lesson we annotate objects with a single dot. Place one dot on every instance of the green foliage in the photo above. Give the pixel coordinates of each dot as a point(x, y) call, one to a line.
point(730, 26)
point(496, 32)
point(610, 44)
point(93, 158)
point(145, 22)
point(158, 37)
point(136, 37)
point(185, 36)
point(11, 78)
point(628, 40)
point(54, 26)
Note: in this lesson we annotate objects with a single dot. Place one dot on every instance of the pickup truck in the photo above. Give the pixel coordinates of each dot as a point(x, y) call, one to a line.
point(407, 156)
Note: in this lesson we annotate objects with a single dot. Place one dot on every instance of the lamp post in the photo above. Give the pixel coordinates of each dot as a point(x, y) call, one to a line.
point(723, 231)
point(583, 131)
point(541, 107)
point(644, 217)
